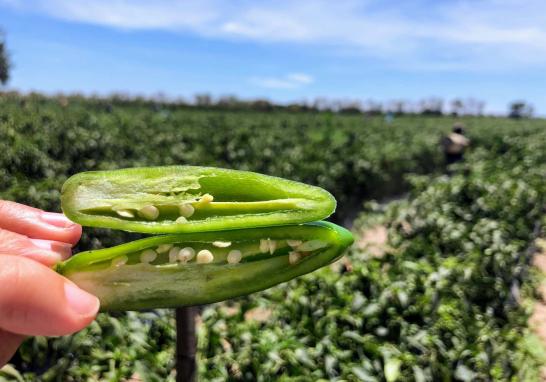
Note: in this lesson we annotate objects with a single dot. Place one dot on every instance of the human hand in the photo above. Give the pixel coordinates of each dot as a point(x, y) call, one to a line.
point(35, 300)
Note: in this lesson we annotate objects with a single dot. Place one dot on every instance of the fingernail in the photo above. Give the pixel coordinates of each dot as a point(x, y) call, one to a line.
point(81, 302)
point(63, 249)
point(57, 220)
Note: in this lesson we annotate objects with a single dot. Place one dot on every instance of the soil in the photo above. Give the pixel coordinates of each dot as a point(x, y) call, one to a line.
point(538, 318)
point(373, 240)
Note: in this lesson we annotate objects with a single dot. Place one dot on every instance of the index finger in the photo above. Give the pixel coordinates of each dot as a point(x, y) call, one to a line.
point(38, 224)
point(10, 342)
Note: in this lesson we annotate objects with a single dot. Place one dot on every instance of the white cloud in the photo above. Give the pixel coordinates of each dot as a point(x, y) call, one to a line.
point(300, 78)
point(422, 34)
point(290, 81)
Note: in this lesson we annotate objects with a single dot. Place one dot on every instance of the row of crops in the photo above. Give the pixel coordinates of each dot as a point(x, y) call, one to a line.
point(445, 300)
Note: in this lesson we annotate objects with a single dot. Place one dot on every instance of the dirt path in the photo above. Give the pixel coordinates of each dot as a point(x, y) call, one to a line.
point(373, 239)
point(538, 318)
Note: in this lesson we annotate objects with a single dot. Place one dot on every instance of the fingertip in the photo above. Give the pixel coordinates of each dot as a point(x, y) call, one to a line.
point(9, 344)
point(65, 229)
point(75, 233)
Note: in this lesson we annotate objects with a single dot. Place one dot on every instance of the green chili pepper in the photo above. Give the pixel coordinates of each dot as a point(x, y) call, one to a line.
point(197, 268)
point(180, 199)
point(235, 232)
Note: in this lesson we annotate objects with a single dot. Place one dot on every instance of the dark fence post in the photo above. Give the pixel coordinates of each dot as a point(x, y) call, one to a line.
point(186, 344)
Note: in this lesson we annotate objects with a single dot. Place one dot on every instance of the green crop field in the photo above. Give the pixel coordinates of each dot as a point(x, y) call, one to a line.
point(447, 298)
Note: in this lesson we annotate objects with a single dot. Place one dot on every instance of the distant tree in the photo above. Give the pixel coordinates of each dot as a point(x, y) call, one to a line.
point(322, 104)
point(4, 61)
point(473, 106)
point(372, 107)
point(230, 102)
point(301, 106)
point(203, 100)
point(394, 107)
point(520, 109)
point(432, 106)
point(350, 107)
point(457, 107)
point(262, 105)
point(399, 107)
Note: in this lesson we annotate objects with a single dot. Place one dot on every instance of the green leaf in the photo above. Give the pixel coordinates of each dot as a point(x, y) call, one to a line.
point(392, 369)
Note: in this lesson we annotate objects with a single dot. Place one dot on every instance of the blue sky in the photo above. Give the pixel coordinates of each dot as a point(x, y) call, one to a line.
point(491, 50)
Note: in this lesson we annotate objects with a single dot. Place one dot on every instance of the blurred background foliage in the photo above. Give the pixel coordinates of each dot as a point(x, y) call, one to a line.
point(443, 298)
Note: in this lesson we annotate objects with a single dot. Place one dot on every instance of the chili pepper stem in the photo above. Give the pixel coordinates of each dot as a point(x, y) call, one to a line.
point(186, 344)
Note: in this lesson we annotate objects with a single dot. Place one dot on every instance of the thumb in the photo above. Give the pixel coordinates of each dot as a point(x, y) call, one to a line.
point(34, 300)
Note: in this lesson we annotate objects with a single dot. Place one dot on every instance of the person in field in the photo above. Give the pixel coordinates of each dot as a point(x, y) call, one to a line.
point(455, 144)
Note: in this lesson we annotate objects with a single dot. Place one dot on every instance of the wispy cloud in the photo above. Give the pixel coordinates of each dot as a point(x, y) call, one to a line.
point(290, 81)
point(481, 35)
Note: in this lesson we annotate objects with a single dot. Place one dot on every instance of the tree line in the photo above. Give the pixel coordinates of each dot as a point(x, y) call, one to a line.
point(429, 106)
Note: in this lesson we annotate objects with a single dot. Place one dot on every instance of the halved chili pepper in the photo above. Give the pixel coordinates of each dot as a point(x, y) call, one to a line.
point(203, 267)
point(235, 231)
point(177, 199)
